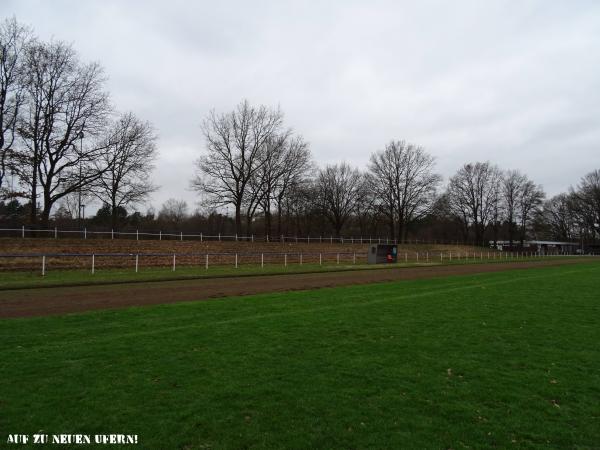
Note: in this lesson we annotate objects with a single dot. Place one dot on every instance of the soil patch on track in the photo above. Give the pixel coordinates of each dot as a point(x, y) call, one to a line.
point(50, 301)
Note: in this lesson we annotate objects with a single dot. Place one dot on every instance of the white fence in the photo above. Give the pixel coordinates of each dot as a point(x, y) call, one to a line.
point(84, 233)
point(93, 261)
point(134, 261)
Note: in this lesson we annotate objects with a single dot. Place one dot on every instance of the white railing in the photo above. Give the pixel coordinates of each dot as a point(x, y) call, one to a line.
point(26, 232)
point(93, 261)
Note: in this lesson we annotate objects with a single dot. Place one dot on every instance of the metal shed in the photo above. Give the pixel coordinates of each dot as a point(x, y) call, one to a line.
point(382, 254)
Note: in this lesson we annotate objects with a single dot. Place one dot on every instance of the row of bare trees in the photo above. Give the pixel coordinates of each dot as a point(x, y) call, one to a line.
point(58, 131)
point(575, 214)
point(257, 165)
point(483, 197)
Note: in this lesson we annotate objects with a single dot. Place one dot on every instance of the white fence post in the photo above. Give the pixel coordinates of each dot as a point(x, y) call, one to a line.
point(300, 258)
point(181, 236)
point(354, 258)
point(200, 237)
point(112, 234)
point(236, 260)
point(23, 231)
point(55, 233)
point(85, 233)
point(137, 261)
point(93, 264)
point(43, 265)
point(160, 235)
point(320, 259)
point(137, 235)
point(173, 262)
point(338, 258)
point(262, 260)
point(285, 260)
point(206, 261)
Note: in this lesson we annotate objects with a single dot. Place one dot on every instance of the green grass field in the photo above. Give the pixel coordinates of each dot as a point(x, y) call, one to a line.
point(79, 277)
point(502, 360)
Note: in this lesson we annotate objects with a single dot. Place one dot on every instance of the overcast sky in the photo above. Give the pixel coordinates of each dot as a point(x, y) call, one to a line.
point(513, 82)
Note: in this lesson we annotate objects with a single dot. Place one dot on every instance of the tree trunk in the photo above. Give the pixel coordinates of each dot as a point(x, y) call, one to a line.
point(238, 217)
point(279, 218)
point(479, 233)
point(248, 224)
point(279, 214)
point(113, 216)
point(401, 228)
point(46, 213)
point(33, 210)
point(338, 228)
point(268, 218)
point(510, 230)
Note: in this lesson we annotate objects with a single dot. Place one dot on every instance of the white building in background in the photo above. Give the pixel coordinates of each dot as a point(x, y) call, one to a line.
point(541, 247)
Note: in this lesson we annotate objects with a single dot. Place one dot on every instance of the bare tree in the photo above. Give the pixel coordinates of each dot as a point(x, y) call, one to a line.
point(588, 194)
point(339, 189)
point(173, 212)
point(529, 200)
point(13, 40)
point(298, 160)
point(473, 196)
point(66, 100)
point(72, 201)
point(233, 143)
point(380, 183)
point(406, 184)
point(126, 165)
point(367, 211)
point(558, 216)
point(511, 188)
point(300, 207)
point(264, 179)
point(286, 161)
point(584, 204)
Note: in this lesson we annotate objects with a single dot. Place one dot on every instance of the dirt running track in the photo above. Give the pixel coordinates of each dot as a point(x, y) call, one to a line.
point(47, 301)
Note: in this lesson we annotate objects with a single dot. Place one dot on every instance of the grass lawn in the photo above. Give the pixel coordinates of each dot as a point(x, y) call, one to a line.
point(75, 277)
point(502, 360)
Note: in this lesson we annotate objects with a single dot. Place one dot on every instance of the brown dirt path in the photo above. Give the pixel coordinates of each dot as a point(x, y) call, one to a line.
point(49, 301)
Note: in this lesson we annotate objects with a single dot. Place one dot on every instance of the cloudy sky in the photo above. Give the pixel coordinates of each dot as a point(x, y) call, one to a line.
point(514, 82)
